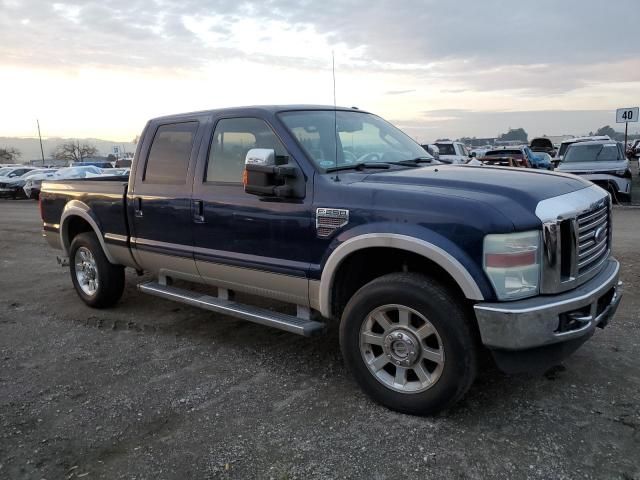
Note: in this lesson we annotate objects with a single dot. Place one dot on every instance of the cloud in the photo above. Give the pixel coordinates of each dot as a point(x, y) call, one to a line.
point(399, 92)
point(490, 35)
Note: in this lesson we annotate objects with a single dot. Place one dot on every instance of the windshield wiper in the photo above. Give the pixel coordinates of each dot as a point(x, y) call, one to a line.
point(414, 161)
point(359, 166)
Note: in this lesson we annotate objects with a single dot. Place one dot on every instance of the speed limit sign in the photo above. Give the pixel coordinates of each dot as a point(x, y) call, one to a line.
point(624, 115)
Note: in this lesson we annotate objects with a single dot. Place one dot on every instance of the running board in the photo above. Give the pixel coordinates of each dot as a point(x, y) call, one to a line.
point(289, 323)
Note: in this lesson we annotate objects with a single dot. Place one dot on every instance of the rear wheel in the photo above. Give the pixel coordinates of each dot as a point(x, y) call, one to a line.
point(98, 283)
point(409, 343)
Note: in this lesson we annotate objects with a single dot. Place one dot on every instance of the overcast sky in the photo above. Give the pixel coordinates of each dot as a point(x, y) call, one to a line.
point(435, 68)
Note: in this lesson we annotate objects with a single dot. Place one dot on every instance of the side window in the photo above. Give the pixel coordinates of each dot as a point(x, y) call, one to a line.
point(170, 152)
point(232, 139)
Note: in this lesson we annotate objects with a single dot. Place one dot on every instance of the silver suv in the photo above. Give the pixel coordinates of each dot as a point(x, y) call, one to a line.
point(603, 162)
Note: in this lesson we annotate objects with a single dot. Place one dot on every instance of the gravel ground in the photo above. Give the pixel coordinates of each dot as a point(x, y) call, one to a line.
point(153, 389)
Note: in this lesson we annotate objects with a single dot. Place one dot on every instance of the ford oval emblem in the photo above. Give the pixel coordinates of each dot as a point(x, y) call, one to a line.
point(600, 234)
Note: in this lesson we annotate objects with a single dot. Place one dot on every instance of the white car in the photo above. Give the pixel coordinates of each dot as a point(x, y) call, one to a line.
point(564, 145)
point(34, 179)
point(453, 152)
point(10, 181)
point(602, 162)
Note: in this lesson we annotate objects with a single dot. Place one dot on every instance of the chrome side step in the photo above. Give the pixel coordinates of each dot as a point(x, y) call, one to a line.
point(253, 314)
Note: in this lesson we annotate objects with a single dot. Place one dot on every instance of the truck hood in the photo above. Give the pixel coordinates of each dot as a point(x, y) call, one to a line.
point(592, 167)
point(513, 191)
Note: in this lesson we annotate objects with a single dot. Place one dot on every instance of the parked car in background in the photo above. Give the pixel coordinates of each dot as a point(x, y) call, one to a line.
point(521, 154)
point(14, 172)
point(602, 162)
point(12, 183)
point(32, 183)
point(453, 152)
point(479, 152)
point(542, 145)
point(432, 149)
point(634, 150)
point(123, 163)
point(77, 172)
point(564, 145)
point(499, 162)
point(543, 160)
point(99, 164)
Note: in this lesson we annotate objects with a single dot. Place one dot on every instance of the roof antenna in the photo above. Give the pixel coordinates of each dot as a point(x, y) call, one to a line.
point(335, 111)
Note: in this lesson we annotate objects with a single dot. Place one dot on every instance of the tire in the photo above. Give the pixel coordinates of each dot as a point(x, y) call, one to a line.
point(407, 302)
point(104, 281)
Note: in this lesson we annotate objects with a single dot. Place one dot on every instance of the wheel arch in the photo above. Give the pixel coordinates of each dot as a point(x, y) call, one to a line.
point(428, 251)
point(77, 218)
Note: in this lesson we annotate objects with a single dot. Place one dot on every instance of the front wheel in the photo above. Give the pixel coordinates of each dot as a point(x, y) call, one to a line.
point(98, 283)
point(409, 343)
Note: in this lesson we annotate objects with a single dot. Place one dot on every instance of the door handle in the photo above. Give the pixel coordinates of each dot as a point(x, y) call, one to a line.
point(198, 211)
point(138, 207)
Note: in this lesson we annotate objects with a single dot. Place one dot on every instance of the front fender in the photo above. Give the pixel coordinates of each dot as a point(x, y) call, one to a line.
point(466, 273)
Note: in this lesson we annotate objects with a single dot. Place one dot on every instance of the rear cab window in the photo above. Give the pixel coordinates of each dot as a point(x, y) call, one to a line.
point(170, 152)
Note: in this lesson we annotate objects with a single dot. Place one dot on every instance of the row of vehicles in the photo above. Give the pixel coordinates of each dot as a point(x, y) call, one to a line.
point(597, 158)
point(25, 181)
point(343, 217)
point(452, 152)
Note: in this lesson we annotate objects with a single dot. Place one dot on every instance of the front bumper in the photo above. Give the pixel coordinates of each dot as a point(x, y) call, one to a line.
point(549, 319)
point(621, 185)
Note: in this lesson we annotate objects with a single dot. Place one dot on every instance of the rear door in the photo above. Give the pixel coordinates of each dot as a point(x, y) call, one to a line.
point(160, 201)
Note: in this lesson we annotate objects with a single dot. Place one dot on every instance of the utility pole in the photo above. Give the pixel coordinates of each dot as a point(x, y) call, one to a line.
point(40, 137)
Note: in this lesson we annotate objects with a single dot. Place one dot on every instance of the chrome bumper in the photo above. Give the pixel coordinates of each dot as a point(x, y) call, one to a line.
point(549, 319)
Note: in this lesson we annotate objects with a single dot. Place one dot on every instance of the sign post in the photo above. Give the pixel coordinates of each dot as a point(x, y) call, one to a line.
point(626, 115)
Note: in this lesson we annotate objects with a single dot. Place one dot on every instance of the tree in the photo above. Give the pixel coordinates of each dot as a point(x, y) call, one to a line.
point(606, 130)
point(515, 134)
point(9, 154)
point(74, 151)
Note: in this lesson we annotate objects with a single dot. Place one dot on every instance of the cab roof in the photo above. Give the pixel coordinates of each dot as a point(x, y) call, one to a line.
point(270, 109)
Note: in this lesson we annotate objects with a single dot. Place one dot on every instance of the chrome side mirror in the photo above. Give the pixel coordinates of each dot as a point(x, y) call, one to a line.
point(269, 176)
point(265, 157)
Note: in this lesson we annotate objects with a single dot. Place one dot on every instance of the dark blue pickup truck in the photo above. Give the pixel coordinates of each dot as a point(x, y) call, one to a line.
point(342, 216)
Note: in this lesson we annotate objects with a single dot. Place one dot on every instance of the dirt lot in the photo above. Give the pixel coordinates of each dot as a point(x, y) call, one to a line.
point(153, 389)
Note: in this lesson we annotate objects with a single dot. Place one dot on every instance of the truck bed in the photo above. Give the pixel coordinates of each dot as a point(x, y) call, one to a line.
point(105, 196)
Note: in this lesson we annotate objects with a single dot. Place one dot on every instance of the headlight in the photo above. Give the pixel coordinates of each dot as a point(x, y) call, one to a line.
point(512, 263)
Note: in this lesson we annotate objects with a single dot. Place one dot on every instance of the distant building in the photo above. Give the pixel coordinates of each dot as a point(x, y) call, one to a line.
point(49, 162)
point(480, 142)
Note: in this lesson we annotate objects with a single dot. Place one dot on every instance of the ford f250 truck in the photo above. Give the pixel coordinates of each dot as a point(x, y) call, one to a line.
point(341, 215)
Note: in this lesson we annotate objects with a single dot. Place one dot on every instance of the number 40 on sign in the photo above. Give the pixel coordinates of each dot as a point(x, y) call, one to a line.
point(624, 115)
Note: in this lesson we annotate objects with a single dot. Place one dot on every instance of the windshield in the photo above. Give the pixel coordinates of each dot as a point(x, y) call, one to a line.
point(541, 143)
point(564, 146)
point(592, 153)
point(446, 148)
point(4, 171)
point(362, 138)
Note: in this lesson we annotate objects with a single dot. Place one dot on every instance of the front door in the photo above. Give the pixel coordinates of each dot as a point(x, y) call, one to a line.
point(245, 242)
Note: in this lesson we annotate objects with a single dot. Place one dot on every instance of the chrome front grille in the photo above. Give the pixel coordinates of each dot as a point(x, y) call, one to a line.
point(593, 238)
point(576, 238)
